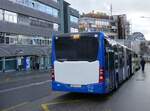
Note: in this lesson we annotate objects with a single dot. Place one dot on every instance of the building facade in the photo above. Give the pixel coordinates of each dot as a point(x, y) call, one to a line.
point(123, 26)
point(71, 18)
point(113, 26)
point(26, 28)
point(98, 22)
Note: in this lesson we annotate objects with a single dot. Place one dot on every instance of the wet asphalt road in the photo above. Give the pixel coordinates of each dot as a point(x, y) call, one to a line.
point(24, 89)
point(133, 95)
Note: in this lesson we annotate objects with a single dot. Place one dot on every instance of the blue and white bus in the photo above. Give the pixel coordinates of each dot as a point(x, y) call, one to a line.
point(88, 63)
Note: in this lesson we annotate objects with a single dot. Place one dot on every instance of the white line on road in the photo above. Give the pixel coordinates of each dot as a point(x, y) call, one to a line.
point(16, 106)
point(24, 86)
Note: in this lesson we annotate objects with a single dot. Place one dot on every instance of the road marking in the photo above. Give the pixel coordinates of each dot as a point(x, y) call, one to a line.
point(107, 109)
point(24, 86)
point(63, 102)
point(9, 79)
point(46, 105)
point(16, 106)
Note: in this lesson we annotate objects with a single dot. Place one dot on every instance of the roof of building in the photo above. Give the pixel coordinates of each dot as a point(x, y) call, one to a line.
point(98, 15)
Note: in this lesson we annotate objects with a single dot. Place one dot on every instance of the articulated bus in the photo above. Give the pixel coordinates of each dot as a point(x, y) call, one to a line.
point(89, 63)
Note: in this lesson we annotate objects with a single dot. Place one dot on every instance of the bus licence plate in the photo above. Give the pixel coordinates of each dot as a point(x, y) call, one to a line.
point(75, 85)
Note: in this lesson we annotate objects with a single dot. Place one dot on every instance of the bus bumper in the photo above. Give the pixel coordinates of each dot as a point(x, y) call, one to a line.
point(98, 88)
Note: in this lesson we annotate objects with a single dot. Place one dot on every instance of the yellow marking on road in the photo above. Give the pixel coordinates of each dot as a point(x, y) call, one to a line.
point(14, 107)
point(63, 102)
point(46, 105)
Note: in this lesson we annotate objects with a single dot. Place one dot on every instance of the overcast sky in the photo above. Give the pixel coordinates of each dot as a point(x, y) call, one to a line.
point(133, 8)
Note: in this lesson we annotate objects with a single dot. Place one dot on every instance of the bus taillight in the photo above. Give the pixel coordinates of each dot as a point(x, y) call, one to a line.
point(101, 75)
point(52, 73)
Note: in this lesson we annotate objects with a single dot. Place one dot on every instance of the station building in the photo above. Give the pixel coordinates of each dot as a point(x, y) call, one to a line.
point(26, 28)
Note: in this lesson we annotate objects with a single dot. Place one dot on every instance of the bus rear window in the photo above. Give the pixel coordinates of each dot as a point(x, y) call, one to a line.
point(80, 49)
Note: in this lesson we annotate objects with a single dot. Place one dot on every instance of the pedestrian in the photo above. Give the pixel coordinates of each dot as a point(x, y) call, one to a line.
point(142, 64)
point(37, 66)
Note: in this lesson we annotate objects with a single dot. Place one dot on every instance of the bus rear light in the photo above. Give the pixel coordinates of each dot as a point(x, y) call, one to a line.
point(101, 71)
point(101, 75)
point(52, 73)
point(101, 78)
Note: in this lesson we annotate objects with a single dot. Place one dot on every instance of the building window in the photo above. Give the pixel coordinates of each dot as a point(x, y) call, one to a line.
point(26, 20)
point(74, 29)
point(55, 0)
point(23, 19)
point(12, 38)
point(38, 6)
point(13, 1)
point(10, 17)
point(74, 19)
point(2, 39)
point(55, 12)
point(1, 64)
point(1, 14)
point(8, 38)
point(55, 27)
point(42, 7)
point(10, 64)
point(40, 23)
point(49, 10)
point(12, 41)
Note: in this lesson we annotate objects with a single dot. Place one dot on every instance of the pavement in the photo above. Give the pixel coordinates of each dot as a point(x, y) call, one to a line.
point(15, 75)
point(133, 95)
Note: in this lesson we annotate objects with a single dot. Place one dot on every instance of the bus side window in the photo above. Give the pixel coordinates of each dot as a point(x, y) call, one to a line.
point(121, 57)
point(109, 56)
point(116, 62)
point(109, 65)
point(106, 54)
point(116, 57)
point(106, 60)
point(111, 61)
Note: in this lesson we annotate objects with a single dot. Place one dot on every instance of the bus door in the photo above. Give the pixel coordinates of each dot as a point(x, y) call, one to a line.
point(133, 63)
point(116, 62)
point(130, 62)
point(121, 62)
point(110, 66)
point(125, 67)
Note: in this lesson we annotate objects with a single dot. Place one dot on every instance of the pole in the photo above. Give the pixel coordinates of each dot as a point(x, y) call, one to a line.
point(111, 9)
